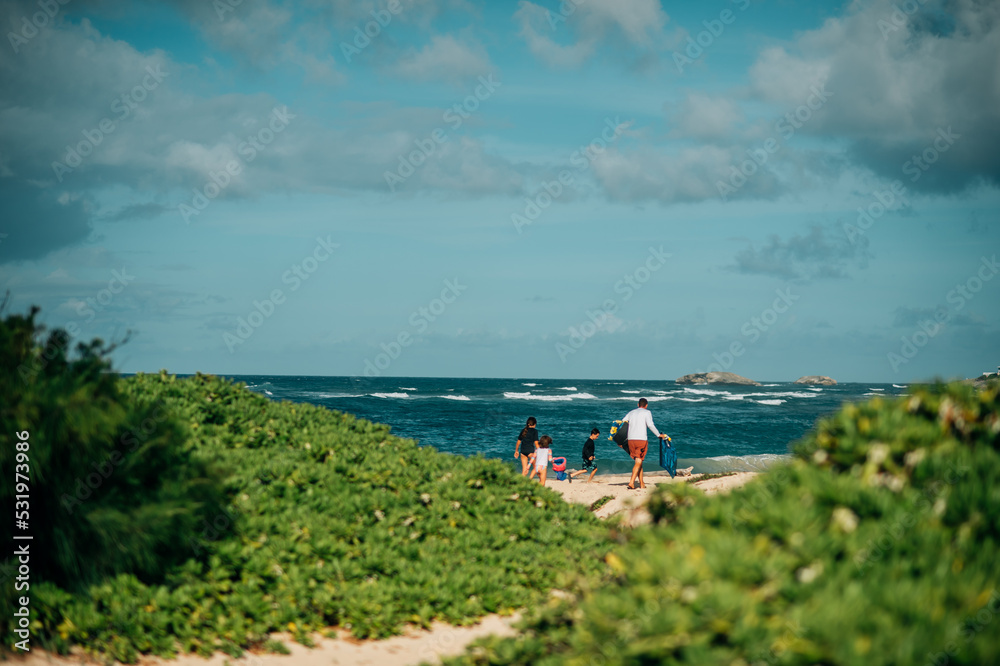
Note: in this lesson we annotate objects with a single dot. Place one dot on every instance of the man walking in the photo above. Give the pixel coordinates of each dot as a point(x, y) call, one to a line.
point(639, 420)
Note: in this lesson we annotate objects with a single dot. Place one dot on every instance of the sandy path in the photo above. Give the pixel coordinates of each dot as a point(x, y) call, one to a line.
point(418, 645)
point(630, 502)
point(414, 647)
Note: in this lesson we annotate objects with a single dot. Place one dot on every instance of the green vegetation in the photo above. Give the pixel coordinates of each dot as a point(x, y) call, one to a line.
point(598, 503)
point(706, 477)
point(115, 484)
point(193, 515)
point(325, 520)
point(877, 545)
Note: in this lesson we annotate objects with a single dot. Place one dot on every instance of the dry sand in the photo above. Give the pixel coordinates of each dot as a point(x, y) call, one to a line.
point(414, 647)
point(419, 645)
point(630, 503)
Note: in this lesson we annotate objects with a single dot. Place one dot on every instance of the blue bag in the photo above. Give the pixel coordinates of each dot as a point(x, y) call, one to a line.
point(668, 457)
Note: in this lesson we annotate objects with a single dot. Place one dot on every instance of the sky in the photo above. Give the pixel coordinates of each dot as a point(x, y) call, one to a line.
point(619, 189)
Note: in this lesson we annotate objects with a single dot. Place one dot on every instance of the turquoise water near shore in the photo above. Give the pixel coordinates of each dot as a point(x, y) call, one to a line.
point(715, 428)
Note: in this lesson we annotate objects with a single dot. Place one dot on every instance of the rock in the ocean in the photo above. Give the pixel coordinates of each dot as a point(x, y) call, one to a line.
point(715, 378)
point(821, 380)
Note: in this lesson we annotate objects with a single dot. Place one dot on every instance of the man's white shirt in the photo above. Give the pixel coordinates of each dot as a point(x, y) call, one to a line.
point(639, 419)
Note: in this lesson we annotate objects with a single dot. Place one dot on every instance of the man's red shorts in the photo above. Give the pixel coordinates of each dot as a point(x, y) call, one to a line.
point(637, 448)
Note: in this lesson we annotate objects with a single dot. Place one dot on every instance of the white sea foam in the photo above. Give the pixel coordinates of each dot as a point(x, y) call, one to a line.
point(748, 463)
point(693, 399)
point(529, 384)
point(706, 391)
point(390, 395)
point(770, 394)
point(655, 398)
point(898, 386)
point(624, 391)
point(455, 397)
point(403, 388)
point(875, 389)
point(512, 395)
point(770, 384)
point(769, 402)
point(567, 388)
point(814, 389)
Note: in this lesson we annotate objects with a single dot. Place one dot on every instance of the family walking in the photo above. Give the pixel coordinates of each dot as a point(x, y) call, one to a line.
point(535, 452)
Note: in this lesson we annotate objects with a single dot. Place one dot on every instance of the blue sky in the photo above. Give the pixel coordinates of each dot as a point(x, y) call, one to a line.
point(591, 209)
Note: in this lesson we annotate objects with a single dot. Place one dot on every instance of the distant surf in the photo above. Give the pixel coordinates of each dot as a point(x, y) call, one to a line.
point(514, 395)
point(722, 427)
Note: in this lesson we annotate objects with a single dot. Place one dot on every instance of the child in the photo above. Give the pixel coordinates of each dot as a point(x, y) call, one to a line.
point(589, 458)
point(524, 450)
point(543, 454)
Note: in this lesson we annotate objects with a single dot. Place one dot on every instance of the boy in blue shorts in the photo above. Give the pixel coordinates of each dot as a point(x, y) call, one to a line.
point(589, 458)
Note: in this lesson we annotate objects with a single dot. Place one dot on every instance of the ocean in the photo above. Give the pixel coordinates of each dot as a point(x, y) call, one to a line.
point(714, 428)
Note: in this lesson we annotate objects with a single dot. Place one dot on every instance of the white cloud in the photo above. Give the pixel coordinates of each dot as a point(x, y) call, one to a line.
point(172, 139)
point(445, 58)
point(705, 116)
point(685, 175)
point(896, 80)
point(570, 39)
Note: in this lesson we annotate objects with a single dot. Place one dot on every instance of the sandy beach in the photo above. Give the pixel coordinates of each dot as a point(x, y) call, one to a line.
point(630, 503)
point(417, 646)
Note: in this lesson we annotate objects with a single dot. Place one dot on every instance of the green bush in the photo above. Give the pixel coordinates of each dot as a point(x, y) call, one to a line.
point(114, 484)
point(876, 545)
point(330, 521)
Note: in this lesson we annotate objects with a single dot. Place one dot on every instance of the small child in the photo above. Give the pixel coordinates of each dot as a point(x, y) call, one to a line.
point(589, 458)
point(543, 454)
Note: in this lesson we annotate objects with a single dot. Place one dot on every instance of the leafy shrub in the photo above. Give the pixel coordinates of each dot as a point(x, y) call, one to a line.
point(331, 521)
point(876, 545)
point(114, 486)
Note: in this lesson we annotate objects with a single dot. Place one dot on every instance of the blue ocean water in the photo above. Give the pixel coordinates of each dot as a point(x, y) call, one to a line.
point(715, 428)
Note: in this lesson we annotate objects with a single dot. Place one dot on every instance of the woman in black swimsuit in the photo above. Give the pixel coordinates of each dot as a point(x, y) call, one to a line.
point(526, 443)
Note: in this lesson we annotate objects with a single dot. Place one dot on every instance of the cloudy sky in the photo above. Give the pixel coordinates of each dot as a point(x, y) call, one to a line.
point(591, 189)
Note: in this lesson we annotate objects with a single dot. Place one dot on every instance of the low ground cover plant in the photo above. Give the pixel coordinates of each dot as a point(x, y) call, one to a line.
point(296, 518)
point(877, 545)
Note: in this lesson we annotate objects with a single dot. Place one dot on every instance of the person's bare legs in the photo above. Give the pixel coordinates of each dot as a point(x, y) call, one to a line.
point(524, 465)
point(636, 471)
point(541, 474)
point(642, 484)
point(592, 475)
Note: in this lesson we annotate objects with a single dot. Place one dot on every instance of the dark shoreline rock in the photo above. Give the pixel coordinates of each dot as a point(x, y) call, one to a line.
point(715, 378)
point(816, 380)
